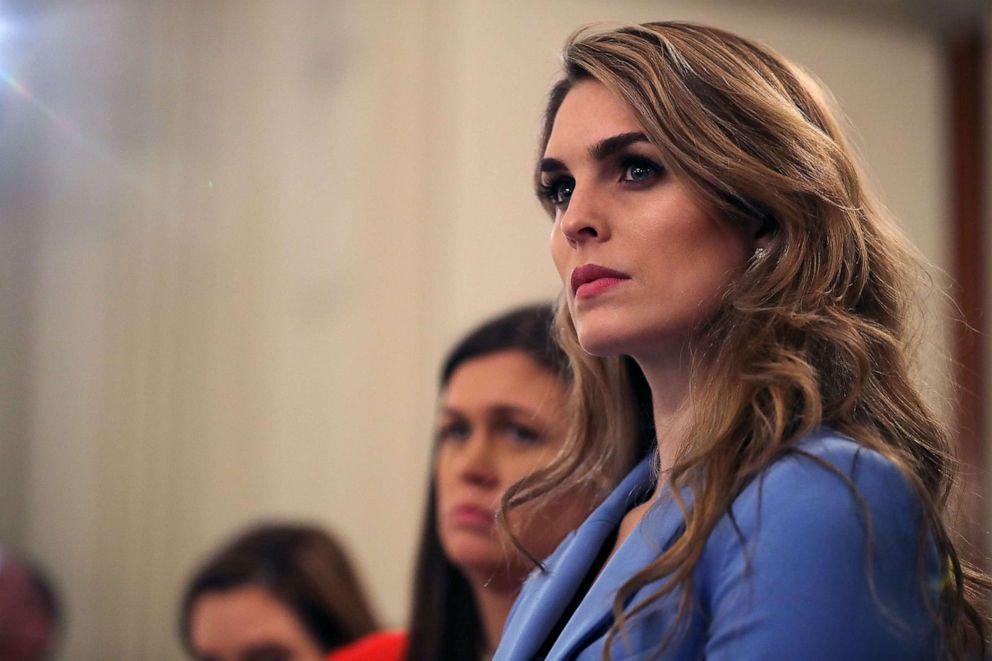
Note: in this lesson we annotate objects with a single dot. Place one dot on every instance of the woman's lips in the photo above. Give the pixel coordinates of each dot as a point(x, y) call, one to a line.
point(471, 516)
point(590, 280)
point(590, 289)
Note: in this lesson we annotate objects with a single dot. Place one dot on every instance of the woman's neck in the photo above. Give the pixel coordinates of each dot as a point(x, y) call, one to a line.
point(668, 379)
point(493, 603)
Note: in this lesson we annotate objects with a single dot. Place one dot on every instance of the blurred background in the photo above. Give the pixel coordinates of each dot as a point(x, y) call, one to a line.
point(236, 238)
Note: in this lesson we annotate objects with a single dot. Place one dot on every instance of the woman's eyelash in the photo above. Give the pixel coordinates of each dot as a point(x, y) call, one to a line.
point(552, 191)
point(451, 430)
point(649, 168)
point(523, 433)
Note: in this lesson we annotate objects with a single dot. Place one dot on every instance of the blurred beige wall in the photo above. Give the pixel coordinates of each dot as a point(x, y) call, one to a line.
point(239, 235)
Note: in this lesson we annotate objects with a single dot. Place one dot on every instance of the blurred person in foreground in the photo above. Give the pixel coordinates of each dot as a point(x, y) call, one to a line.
point(277, 592)
point(29, 610)
point(501, 415)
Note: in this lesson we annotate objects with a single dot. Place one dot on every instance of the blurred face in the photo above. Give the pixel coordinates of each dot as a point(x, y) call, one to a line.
point(501, 417)
point(26, 626)
point(248, 624)
point(642, 261)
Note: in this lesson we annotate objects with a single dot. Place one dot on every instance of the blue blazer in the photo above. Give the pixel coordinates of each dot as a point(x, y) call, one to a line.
point(784, 577)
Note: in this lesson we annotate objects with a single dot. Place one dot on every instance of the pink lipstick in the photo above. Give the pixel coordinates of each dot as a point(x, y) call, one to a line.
point(471, 516)
point(589, 280)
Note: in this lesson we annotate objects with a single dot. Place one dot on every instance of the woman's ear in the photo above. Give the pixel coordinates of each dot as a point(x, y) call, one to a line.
point(761, 225)
point(763, 230)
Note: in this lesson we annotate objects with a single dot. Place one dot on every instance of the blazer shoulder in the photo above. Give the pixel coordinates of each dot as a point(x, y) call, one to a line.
point(828, 463)
point(828, 482)
point(827, 541)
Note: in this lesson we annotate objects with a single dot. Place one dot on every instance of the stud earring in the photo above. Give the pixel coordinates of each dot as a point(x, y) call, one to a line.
point(759, 253)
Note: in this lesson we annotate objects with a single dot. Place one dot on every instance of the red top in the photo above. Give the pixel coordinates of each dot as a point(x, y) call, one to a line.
point(379, 646)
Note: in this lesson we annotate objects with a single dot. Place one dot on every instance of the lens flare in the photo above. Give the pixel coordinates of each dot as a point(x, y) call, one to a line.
point(22, 91)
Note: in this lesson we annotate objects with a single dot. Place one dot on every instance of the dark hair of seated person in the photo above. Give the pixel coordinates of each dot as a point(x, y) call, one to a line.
point(301, 566)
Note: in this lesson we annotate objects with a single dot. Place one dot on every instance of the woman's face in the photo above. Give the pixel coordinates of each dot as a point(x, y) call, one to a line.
point(248, 624)
point(642, 261)
point(501, 416)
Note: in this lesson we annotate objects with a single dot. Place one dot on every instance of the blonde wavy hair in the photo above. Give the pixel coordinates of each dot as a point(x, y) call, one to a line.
point(815, 333)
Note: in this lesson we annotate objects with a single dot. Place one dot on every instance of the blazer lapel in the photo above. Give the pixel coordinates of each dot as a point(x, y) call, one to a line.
point(546, 594)
point(594, 616)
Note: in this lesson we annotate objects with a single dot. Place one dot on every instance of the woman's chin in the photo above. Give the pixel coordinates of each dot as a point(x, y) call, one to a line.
point(480, 562)
point(472, 555)
point(601, 344)
point(604, 332)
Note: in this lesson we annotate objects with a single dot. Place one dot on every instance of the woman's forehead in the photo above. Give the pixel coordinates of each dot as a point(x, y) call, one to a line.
point(589, 114)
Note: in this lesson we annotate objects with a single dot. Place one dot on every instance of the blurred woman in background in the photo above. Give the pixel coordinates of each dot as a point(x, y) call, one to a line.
point(501, 416)
point(277, 592)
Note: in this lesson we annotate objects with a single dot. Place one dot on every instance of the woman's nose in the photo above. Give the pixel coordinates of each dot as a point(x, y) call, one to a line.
point(585, 217)
point(478, 462)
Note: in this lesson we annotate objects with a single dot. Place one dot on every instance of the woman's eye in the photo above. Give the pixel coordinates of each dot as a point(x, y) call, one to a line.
point(638, 170)
point(558, 192)
point(522, 434)
point(454, 432)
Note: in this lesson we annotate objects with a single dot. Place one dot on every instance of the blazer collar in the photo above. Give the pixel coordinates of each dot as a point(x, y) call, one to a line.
point(548, 593)
point(593, 617)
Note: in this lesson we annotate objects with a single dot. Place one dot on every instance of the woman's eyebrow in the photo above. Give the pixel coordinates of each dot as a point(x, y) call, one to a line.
point(511, 411)
point(551, 165)
point(609, 146)
point(449, 411)
point(599, 151)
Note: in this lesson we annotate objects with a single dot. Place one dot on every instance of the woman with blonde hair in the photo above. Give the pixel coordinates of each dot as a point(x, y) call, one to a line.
point(715, 237)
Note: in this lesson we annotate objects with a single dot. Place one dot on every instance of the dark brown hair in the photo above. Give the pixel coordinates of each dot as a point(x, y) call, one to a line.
point(300, 565)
